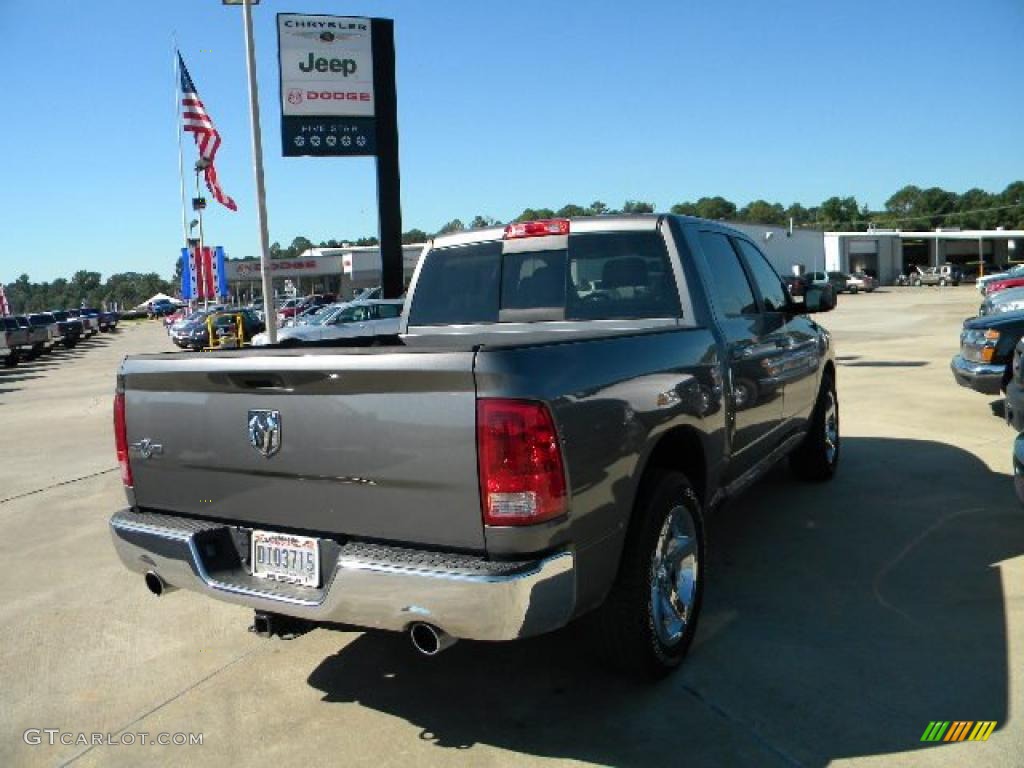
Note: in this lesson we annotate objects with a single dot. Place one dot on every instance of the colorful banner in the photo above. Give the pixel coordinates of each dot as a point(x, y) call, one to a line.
point(208, 290)
point(203, 274)
point(220, 273)
point(188, 288)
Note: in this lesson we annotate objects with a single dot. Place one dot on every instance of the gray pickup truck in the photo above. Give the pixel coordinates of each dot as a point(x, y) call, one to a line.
point(566, 402)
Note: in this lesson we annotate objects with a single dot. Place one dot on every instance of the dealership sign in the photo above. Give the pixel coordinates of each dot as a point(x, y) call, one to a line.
point(327, 89)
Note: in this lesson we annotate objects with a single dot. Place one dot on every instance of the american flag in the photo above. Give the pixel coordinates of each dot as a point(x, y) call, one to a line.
point(198, 121)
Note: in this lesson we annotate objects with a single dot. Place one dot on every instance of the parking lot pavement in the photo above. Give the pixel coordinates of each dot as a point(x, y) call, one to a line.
point(839, 619)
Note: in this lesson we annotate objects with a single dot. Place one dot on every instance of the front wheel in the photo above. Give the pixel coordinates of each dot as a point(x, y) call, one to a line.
point(650, 616)
point(817, 457)
point(917, 282)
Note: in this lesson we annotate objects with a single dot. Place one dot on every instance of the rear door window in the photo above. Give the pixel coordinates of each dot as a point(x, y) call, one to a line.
point(620, 276)
point(598, 276)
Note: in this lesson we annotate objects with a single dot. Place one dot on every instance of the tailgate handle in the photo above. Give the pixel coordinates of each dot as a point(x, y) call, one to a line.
point(257, 381)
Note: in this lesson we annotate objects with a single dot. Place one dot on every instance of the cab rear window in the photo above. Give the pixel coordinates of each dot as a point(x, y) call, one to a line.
point(599, 276)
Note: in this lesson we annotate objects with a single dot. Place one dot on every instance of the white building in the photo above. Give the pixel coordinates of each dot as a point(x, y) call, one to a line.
point(888, 253)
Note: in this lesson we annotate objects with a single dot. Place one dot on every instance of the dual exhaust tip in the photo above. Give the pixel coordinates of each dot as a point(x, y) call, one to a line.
point(156, 584)
point(426, 638)
point(429, 640)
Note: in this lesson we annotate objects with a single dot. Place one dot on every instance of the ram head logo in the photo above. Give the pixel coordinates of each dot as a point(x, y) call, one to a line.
point(265, 431)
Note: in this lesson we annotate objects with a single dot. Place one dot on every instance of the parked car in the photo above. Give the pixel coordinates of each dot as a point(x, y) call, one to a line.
point(103, 319)
point(39, 336)
point(1013, 408)
point(983, 281)
point(174, 317)
point(1010, 300)
point(997, 286)
point(90, 322)
point(519, 457)
point(986, 352)
point(195, 335)
point(861, 281)
point(360, 319)
point(16, 339)
point(110, 320)
point(48, 323)
point(71, 328)
point(8, 354)
point(840, 281)
point(942, 276)
point(161, 307)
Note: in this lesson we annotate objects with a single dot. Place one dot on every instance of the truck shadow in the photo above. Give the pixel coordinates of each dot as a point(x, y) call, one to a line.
point(839, 619)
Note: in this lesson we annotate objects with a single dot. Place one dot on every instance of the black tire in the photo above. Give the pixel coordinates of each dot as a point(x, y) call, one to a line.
point(854, 289)
point(817, 456)
point(623, 630)
point(11, 360)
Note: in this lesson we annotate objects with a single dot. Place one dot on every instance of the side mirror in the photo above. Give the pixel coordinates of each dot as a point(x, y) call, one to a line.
point(818, 298)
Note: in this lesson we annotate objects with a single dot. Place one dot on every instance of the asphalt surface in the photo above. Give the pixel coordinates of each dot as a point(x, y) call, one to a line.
point(839, 619)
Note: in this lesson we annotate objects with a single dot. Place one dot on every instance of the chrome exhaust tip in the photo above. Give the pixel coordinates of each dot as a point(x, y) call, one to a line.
point(430, 640)
point(156, 585)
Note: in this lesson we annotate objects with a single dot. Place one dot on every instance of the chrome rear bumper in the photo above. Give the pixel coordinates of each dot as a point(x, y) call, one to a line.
point(367, 585)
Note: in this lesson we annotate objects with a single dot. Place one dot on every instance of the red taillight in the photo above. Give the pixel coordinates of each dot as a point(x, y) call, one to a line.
point(121, 440)
point(522, 480)
point(540, 228)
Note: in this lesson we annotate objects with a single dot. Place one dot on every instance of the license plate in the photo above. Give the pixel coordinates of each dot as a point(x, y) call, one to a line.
point(284, 557)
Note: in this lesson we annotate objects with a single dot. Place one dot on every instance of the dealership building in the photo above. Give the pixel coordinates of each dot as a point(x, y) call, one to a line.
point(885, 254)
point(888, 253)
point(341, 271)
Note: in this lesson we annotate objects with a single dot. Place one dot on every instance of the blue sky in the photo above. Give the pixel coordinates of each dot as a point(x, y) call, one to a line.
point(502, 105)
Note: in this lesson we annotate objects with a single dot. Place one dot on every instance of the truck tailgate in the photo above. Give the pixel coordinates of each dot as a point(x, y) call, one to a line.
point(376, 443)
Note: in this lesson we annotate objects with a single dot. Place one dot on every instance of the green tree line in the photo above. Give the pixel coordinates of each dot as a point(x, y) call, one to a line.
point(124, 289)
point(909, 208)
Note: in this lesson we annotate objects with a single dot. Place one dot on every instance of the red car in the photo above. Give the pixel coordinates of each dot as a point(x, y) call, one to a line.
point(293, 307)
point(170, 320)
point(1001, 285)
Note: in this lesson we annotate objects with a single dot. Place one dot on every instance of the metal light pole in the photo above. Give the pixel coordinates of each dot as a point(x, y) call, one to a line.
point(270, 316)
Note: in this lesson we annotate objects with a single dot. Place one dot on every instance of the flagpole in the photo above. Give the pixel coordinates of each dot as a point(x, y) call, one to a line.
point(269, 311)
point(177, 124)
point(181, 157)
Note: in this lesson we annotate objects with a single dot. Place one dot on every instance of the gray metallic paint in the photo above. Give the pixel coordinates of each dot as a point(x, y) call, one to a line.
point(380, 443)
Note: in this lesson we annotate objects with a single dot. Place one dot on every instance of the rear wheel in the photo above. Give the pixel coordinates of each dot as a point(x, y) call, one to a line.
point(917, 282)
point(854, 289)
point(650, 616)
point(817, 456)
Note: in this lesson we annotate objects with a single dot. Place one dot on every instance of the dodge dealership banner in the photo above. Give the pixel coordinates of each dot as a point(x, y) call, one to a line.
point(327, 85)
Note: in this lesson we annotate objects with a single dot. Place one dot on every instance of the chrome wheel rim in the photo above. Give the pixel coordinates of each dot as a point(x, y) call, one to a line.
point(831, 428)
point(675, 569)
